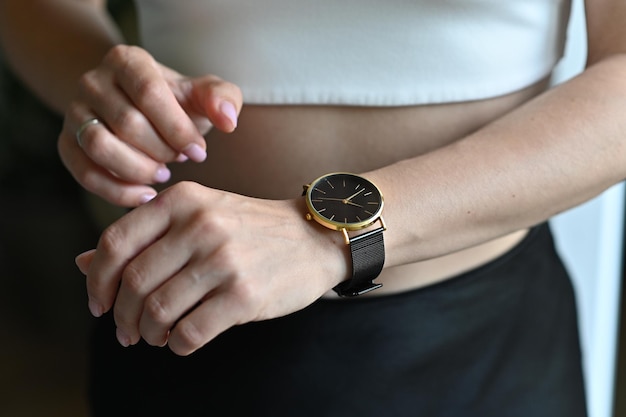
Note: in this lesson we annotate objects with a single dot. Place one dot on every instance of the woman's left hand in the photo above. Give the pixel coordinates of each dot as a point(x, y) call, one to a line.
point(196, 261)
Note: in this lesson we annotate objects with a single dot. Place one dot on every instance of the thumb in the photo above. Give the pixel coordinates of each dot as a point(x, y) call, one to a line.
point(219, 100)
point(83, 261)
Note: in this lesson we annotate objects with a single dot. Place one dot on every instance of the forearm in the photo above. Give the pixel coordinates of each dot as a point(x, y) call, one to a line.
point(551, 154)
point(49, 44)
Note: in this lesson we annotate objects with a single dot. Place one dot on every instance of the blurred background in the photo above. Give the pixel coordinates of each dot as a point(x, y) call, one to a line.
point(45, 223)
point(43, 226)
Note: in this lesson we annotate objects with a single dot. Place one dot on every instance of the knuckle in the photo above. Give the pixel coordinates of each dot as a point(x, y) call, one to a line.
point(128, 123)
point(147, 91)
point(88, 83)
point(190, 337)
point(111, 241)
point(118, 53)
point(157, 310)
point(128, 61)
point(196, 278)
point(183, 190)
point(242, 288)
point(88, 179)
point(207, 224)
point(95, 143)
point(245, 293)
point(134, 278)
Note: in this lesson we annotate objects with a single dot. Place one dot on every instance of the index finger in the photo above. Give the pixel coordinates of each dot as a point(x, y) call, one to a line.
point(142, 80)
point(119, 244)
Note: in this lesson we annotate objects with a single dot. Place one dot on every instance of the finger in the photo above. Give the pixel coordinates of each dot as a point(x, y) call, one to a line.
point(219, 100)
point(166, 280)
point(215, 315)
point(150, 270)
point(107, 151)
point(99, 181)
point(165, 306)
point(119, 244)
point(83, 261)
point(115, 156)
point(123, 119)
point(141, 79)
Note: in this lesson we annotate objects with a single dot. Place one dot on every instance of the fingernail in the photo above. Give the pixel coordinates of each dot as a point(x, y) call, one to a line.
point(195, 152)
point(162, 175)
point(182, 158)
point(167, 336)
point(146, 197)
point(95, 308)
point(122, 338)
point(229, 110)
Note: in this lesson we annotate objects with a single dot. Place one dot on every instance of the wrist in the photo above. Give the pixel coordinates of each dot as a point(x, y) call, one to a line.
point(328, 249)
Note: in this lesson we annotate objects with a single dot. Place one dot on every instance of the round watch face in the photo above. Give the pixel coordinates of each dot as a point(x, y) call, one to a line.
point(344, 201)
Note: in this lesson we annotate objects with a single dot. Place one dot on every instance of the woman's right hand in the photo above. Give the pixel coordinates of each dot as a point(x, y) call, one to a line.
point(149, 116)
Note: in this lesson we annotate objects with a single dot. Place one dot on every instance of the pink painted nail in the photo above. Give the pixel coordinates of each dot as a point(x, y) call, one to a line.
point(195, 152)
point(146, 197)
point(162, 175)
point(229, 110)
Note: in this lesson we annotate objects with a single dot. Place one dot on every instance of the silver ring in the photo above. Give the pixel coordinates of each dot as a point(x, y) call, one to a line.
point(81, 129)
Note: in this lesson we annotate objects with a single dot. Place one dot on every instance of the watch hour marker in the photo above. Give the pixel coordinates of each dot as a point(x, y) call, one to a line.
point(344, 201)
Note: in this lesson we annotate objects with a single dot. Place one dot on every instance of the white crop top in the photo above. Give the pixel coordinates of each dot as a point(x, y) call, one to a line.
point(359, 52)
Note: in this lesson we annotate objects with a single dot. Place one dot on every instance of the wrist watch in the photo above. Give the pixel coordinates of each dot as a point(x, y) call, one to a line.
point(349, 203)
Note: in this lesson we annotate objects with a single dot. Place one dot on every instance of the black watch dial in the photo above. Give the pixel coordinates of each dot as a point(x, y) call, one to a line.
point(343, 200)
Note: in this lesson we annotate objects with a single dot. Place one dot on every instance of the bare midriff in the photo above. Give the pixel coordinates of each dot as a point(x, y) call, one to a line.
point(275, 150)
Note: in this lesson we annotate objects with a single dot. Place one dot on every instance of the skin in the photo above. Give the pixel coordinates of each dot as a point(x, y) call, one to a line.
point(232, 246)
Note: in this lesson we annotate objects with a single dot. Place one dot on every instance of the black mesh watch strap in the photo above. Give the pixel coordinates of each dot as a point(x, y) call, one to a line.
point(368, 258)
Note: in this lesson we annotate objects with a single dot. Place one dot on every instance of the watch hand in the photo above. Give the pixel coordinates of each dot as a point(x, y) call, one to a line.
point(354, 195)
point(343, 200)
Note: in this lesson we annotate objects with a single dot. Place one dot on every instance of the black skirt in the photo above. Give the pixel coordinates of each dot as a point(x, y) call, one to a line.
point(500, 340)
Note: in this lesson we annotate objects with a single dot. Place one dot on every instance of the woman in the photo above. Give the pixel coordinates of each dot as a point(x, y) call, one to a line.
point(426, 102)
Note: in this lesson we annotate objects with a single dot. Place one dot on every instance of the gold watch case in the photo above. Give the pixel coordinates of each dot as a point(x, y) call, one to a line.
point(344, 202)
